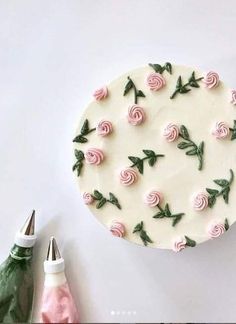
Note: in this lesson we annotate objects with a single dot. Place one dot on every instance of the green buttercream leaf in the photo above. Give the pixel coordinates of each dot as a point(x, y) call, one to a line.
point(138, 227)
point(152, 161)
point(113, 200)
point(184, 145)
point(128, 87)
point(134, 159)
point(140, 94)
point(190, 242)
point(80, 139)
point(225, 194)
point(159, 215)
point(226, 224)
point(157, 68)
point(149, 153)
point(145, 238)
point(97, 195)
point(184, 90)
point(184, 132)
point(79, 155)
point(167, 210)
point(176, 220)
point(222, 182)
point(179, 83)
point(139, 166)
point(201, 148)
point(85, 128)
point(101, 203)
point(79, 168)
point(192, 152)
point(211, 201)
point(168, 67)
point(212, 191)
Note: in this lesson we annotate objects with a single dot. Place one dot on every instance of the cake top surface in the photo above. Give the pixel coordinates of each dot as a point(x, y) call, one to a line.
point(155, 156)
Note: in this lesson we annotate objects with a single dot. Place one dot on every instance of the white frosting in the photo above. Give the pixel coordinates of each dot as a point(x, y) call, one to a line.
point(176, 175)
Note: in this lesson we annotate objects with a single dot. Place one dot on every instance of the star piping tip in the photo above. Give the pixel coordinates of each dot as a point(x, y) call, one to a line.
point(53, 251)
point(29, 226)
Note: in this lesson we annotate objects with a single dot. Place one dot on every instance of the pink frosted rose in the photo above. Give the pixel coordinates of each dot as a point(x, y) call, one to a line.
point(221, 130)
point(153, 198)
point(94, 156)
point(171, 132)
point(211, 80)
point(136, 115)
point(101, 93)
point(179, 244)
point(233, 97)
point(117, 229)
point(104, 128)
point(155, 81)
point(128, 176)
point(200, 201)
point(88, 198)
point(216, 229)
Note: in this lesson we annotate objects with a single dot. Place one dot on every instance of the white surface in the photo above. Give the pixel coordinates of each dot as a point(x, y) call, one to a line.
point(53, 54)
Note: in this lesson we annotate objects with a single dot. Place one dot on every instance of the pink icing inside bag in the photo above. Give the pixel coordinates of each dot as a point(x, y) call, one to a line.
point(58, 305)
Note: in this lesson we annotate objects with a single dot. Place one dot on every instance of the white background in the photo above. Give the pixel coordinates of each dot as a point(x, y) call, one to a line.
point(53, 54)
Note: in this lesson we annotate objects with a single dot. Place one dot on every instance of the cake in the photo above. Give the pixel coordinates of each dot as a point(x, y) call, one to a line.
point(155, 156)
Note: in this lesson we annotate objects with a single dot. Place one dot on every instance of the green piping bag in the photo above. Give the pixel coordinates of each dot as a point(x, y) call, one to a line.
point(16, 277)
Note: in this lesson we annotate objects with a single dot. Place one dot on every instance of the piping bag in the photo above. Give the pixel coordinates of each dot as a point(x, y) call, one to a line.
point(16, 277)
point(58, 305)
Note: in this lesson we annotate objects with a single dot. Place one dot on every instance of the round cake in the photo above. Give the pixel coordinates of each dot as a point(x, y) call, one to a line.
point(155, 156)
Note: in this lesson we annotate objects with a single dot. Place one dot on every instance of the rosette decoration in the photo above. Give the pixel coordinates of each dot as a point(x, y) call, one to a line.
point(179, 244)
point(88, 198)
point(221, 130)
point(94, 156)
point(117, 229)
point(136, 115)
point(216, 229)
point(171, 132)
point(104, 128)
point(153, 198)
point(211, 80)
point(200, 201)
point(101, 93)
point(233, 97)
point(128, 176)
point(155, 81)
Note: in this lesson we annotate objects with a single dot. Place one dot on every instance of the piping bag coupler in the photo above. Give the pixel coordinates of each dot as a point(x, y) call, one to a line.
point(16, 277)
point(58, 305)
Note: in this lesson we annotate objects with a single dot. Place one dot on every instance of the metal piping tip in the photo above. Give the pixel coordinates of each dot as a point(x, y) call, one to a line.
point(53, 251)
point(28, 228)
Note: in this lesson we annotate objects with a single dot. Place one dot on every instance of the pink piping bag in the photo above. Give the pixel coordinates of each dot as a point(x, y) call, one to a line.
point(58, 305)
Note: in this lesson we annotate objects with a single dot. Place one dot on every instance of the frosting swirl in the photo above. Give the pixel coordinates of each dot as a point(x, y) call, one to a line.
point(136, 115)
point(101, 93)
point(233, 97)
point(200, 201)
point(94, 156)
point(155, 81)
point(211, 80)
point(216, 229)
point(179, 244)
point(117, 229)
point(128, 176)
point(88, 198)
point(171, 132)
point(153, 198)
point(104, 128)
point(221, 130)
